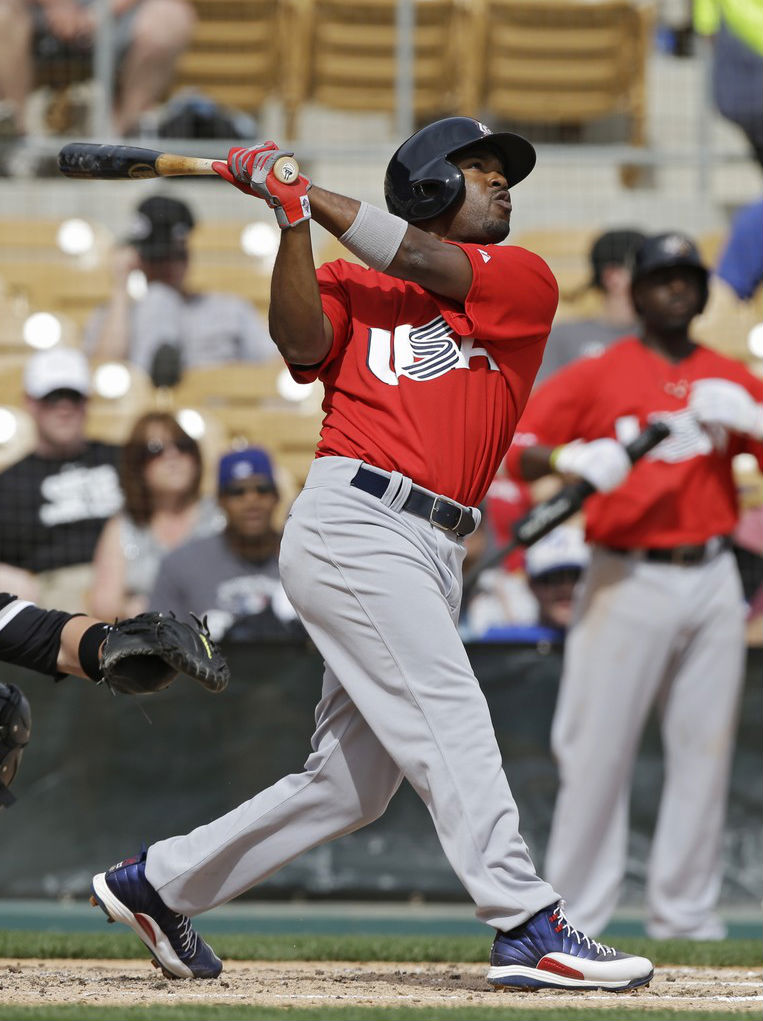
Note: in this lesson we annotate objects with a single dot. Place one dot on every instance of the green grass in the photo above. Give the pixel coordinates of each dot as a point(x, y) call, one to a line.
point(225, 1012)
point(116, 944)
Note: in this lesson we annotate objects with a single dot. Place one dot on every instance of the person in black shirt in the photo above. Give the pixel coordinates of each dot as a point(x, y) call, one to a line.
point(55, 501)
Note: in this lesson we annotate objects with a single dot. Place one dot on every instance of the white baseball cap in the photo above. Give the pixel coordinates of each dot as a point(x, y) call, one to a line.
point(563, 547)
point(60, 368)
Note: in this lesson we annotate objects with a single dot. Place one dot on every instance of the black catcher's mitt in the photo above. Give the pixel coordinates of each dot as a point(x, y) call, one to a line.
point(145, 653)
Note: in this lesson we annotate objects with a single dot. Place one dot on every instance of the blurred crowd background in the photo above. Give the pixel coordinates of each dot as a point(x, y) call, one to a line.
point(647, 117)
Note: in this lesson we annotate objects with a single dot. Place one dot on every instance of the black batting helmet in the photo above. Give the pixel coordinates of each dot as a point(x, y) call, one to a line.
point(667, 250)
point(422, 182)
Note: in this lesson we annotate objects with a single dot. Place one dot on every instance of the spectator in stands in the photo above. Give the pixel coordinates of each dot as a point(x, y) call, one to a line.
point(161, 473)
point(736, 27)
point(741, 262)
point(55, 501)
point(610, 258)
point(730, 312)
point(171, 328)
point(540, 597)
point(148, 36)
point(232, 578)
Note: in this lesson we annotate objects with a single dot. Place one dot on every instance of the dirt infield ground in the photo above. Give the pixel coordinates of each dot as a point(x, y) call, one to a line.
point(268, 984)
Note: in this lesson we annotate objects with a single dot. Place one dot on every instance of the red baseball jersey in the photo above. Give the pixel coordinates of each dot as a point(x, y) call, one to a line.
point(419, 384)
point(683, 491)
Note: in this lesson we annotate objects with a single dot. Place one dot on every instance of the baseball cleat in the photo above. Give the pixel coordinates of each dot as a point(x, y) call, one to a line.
point(125, 895)
point(546, 952)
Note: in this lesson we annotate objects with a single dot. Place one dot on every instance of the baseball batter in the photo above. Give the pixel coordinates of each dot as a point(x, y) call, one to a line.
point(661, 615)
point(427, 358)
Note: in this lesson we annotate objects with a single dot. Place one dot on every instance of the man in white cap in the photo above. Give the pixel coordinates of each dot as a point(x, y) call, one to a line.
point(54, 501)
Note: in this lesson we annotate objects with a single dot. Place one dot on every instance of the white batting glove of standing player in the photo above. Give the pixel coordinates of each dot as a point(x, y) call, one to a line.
point(716, 402)
point(604, 463)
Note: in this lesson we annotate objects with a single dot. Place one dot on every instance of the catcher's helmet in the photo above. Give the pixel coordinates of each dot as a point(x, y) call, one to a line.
point(422, 182)
point(15, 728)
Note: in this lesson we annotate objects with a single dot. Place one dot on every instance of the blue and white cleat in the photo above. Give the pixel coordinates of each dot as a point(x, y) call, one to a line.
point(546, 952)
point(125, 895)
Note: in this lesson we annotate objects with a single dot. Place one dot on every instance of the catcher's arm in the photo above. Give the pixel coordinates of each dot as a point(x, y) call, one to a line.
point(137, 655)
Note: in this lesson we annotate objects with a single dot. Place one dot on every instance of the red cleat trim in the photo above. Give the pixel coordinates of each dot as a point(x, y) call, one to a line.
point(549, 964)
point(147, 927)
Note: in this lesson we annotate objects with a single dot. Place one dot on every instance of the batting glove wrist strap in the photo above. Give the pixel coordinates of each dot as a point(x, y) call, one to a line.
point(251, 170)
point(374, 236)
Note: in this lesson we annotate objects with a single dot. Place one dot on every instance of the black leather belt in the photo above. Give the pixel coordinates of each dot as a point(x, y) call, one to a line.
point(439, 510)
point(682, 556)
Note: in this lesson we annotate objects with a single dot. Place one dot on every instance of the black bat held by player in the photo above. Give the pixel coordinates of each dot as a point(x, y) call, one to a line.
point(93, 161)
point(545, 516)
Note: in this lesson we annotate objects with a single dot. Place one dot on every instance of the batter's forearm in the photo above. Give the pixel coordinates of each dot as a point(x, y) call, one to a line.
point(296, 319)
point(385, 242)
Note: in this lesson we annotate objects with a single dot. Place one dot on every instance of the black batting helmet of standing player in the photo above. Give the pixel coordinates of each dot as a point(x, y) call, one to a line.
point(421, 181)
point(665, 251)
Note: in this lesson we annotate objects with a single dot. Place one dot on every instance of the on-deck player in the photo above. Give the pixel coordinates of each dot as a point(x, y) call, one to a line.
point(660, 618)
point(427, 360)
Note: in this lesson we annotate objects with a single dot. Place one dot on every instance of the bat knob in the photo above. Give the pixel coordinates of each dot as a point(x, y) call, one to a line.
point(286, 170)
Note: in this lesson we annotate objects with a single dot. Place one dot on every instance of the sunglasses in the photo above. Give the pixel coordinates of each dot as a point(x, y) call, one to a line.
point(63, 394)
point(261, 488)
point(155, 448)
point(559, 576)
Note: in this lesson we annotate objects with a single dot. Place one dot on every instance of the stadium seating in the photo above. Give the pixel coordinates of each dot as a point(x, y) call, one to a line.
point(234, 53)
point(344, 57)
point(565, 62)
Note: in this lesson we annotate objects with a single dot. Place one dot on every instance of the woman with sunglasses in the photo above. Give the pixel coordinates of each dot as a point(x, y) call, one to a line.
point(161, 479)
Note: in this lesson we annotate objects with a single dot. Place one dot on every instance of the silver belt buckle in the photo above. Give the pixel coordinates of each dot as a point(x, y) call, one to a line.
point(446, 503)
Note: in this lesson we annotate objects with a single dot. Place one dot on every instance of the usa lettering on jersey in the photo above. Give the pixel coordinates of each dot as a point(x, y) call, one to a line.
point(421, 352)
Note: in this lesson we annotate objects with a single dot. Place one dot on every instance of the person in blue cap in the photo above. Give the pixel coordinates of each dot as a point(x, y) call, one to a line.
point(232, 578)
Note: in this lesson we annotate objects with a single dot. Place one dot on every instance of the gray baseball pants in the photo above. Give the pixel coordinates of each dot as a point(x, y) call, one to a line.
point(378, 591)
point(645, 634)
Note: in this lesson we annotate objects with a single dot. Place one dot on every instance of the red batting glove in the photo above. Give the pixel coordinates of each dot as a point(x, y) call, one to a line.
point(251, 171)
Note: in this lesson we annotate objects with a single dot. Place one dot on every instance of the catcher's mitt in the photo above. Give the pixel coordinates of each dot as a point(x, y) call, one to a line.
point(145, 653)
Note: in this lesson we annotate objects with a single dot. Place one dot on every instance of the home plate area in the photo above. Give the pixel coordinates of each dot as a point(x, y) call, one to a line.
point(34, 981)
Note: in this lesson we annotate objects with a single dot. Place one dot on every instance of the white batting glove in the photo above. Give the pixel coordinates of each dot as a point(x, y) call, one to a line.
point(721, 402)
point(604, 463)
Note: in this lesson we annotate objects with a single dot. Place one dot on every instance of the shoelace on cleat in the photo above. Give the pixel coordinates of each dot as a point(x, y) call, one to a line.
point(186, 936)
point(562, 922)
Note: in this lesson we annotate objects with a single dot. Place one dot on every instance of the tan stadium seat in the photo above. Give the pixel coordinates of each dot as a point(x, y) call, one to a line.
point(565, 62)
point(240, 384)
point(233, 56)
point(345, 57)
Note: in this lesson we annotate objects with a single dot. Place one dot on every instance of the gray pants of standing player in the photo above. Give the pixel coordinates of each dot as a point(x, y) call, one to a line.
point(378, 591)
point(648, 634)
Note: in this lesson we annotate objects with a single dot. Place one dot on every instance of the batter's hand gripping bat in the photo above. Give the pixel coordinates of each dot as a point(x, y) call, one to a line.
point(545, 516)
point(115, 162)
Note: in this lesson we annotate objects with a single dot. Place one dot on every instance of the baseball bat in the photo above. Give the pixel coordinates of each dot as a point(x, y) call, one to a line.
point(124, 162)
point(545, 516)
